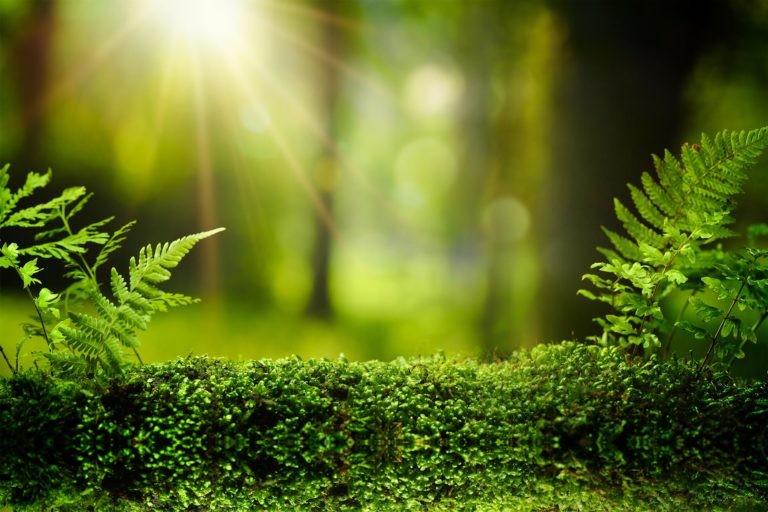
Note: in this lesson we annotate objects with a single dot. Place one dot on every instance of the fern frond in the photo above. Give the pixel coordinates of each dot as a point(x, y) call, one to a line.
point(68, 363)
point(152, 266)
point(687, 204)
point(111, 358)
point(80, 340)
point(646, 207)
point(90, 327)
point(40, 214)
point(639, 231)
point(658, 196)
point(112, 244)
point(169, 300)
point(9, 200)
point(625, 247)
point(76, 243)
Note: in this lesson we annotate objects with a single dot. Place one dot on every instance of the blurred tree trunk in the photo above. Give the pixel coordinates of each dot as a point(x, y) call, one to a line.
point(620, 98)
point(333, 46)
point(507, 53)
point(479, 36)
point(31, 48)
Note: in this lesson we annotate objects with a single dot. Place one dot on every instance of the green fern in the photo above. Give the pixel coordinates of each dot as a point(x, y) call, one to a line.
point(677, 214)
point(80, 343)
point(100, 337)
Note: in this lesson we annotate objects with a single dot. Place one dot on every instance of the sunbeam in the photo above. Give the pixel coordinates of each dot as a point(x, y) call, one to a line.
point(67, 83)
point(206, 211)
point(312, 124)
point(218, 23)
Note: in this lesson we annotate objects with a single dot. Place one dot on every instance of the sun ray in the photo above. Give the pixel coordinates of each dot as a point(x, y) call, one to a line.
point(63, 86)
point(314, 14)
point(332, 60)
point(161, 109)
point(294, 164)
point(320, 134)
point(206, 184)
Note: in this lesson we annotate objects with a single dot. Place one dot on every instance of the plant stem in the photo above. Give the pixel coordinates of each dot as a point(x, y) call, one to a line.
point(138, 356)
point(722, 324)
point(754, 331)
point(760, 322)
point(668, 343)
point(6, 360)
point(652, 298)
point(40, 316)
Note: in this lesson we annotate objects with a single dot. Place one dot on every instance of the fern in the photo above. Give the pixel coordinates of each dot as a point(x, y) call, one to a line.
point(86, 331)
point(677, 214)
point(101, 336)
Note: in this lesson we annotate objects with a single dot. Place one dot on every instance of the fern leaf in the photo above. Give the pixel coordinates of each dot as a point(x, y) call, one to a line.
point(40, 214)
point(152, 265)
point(80, 340)
point(112, 244)
point(5, 193)
point(658, 195)
point(686, 205)
point(8, 200)
point(639, 231)
point(132, 319)
point(94, 328)
point(111, 358)
point(646, 207)
point(68, 363)
point(670, 174)
point(75, 243)
point(626, 248)
point(119, 286)
point(168, 300)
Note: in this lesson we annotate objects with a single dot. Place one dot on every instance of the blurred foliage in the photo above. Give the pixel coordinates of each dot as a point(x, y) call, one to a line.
point(458, 160)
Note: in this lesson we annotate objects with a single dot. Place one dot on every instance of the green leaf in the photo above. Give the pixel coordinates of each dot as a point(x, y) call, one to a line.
point(27, 272)
point(675, 276)
point(46, 299)
point(698, 332)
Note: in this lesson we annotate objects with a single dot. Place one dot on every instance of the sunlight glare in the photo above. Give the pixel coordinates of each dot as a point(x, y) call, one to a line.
point(214, 22)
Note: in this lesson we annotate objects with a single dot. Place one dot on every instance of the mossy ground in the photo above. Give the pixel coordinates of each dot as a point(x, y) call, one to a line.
point(562, 427)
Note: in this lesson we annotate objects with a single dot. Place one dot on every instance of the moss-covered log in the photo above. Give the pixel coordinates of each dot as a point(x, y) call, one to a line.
point(564, 427)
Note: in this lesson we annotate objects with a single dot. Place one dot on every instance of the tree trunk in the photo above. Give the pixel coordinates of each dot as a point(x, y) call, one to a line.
point(620, 95)
point(333, 45)
point(31, 49)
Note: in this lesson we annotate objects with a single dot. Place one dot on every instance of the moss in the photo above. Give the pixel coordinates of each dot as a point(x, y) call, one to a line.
point(562, 427)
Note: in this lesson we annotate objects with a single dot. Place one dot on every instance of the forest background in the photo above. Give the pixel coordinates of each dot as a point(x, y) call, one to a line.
point(396, 176)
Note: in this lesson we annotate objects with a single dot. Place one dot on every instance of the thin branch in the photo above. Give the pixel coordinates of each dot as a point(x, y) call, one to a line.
point(6, 360)
point(722, 324)
point(668, 343)
point(40, 316)
point(141, 363)
point(760, 322)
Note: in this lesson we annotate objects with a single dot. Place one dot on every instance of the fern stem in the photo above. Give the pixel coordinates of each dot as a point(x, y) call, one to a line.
point(137, 356)
point(40, 316)
point(760, 321)
point(6, 360)
point(668, 343)
point(722, 324)
point(83, 263)
point(754, 331)
point(652, 298)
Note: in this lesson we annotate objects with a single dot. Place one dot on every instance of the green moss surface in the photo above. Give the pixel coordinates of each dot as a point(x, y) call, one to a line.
point(562, 427)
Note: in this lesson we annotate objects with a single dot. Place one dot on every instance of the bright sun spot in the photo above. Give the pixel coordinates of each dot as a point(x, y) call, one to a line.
point(216, 23)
